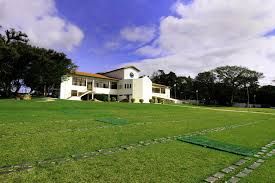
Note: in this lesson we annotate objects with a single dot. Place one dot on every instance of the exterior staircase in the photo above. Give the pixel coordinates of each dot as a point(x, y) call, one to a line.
point(79, 97)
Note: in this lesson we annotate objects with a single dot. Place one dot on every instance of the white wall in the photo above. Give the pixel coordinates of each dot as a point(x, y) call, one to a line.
point(67, 86)
point(142, 89)
point(105, 91)
point(128, 71)
point(123, 90)
point(123, 74)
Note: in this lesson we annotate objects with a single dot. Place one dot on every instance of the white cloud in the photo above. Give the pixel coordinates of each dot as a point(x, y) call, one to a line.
point(40, 20)
point(210, 33)
point(138, 33)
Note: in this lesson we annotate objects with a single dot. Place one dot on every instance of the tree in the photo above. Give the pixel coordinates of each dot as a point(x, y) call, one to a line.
point(234, 78)
point(205, 84)
point(10, 63)
point(23, 64)
point(170, 79)
point(265, 95)
point(45, 69)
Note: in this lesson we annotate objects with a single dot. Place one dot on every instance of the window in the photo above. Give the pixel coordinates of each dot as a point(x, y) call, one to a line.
point(156, 90)
point(113, 85)
point(74, 93)
point(102, 84)
point(162, 90)
point(78, 81)
point(127, 86)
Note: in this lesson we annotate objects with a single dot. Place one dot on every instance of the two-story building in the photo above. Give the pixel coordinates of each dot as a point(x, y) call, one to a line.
point(122, 83)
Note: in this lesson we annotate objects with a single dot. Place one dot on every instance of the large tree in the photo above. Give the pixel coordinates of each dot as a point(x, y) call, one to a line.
point(205, 85)
point(23, 64)
point(46, 68)
point(235, 77)
point(11, 66)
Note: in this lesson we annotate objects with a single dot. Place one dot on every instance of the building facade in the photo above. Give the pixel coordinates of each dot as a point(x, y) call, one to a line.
point(123, 84)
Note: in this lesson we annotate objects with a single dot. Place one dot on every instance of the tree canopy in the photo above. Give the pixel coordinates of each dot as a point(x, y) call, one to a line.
point(24, 65)
point(222, 85)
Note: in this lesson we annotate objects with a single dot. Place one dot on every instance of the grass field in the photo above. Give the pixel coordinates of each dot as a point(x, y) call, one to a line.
point(58, 132)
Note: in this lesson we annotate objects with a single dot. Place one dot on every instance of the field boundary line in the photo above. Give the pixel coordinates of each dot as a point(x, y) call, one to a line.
point(223, 110)
point(7, 169)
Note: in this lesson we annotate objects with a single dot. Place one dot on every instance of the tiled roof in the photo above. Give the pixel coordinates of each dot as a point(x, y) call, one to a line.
point(93, 75)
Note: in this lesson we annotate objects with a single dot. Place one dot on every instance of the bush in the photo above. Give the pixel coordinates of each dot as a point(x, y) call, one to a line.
point(133, 100)
point(125, 100)
point(27, 97)
point(113, 99)
point(167, 101)
point(101, 97)
point(151, 101)
point(160, 100)
point(141, 101)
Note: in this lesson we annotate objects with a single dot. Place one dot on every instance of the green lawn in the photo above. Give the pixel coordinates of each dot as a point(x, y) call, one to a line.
point(33, 131)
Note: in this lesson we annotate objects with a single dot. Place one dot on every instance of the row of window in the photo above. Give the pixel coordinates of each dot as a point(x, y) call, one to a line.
point(158, 90)
point(78, 81)
point(126, 86)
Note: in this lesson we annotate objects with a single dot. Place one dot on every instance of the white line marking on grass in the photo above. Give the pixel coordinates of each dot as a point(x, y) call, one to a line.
point(224, 110)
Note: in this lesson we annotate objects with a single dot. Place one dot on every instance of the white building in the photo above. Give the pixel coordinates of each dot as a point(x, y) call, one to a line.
point(122, 83)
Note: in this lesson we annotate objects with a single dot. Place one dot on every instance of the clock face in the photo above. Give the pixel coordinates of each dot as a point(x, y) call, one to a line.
point(132, 75)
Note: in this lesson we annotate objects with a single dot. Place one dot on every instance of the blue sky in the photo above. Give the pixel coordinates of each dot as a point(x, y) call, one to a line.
point(102, 20)
point(183, 36)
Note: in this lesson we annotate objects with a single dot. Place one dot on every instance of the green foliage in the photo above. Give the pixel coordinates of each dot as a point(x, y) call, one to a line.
point(125, 100)
point(133, 100)
point(265, 95)
point(160, 100)
point(151, 101)
point(141, 101)
point(101, 97)
point(167, 101)
point(223, 85)
point(113, 99)
point(24, 65)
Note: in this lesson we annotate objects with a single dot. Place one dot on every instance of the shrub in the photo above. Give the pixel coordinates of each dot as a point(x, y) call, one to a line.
point(113, 99)
point(160, 100)
point(141, 101)
point(167, 101)
point(133, 100)
point(151, 101)
point(125, 100)
point(27, 97)
point(101, 97)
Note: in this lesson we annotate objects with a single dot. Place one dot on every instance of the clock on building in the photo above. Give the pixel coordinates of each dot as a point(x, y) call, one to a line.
point(132, 75)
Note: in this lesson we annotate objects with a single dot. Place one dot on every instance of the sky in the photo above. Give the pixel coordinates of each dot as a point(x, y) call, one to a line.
point(183, 36)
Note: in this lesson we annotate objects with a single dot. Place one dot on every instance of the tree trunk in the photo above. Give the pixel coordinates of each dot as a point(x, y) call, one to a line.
point(45, 88)
point(232, 98)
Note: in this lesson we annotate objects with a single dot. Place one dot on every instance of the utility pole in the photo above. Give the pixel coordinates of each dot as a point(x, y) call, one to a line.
point(197, 94)
point(175, 88)
point(247, 96)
